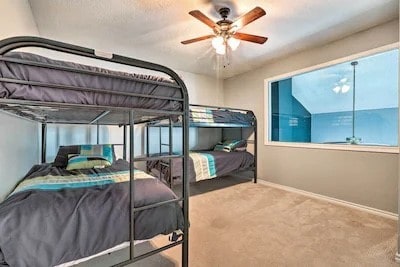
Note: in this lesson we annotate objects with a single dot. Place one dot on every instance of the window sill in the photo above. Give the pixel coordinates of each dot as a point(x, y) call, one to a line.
point(356, 148)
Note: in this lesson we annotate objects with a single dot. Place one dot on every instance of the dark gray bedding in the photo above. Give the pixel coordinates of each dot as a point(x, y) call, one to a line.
point(225, 163)
point(47, 228)
point(19, 71)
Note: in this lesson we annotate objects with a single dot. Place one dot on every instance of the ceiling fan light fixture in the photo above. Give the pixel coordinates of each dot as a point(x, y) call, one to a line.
point(221, 50)
point(233, 43)
point(336, 89)
point(345, 88)
point(225, 37)
point(217, 42)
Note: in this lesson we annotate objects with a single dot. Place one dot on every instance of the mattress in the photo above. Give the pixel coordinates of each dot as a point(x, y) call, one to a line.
point(205, 165)
point(200, 116)
point(215, 117)
point(55, 216)
point(94, 78)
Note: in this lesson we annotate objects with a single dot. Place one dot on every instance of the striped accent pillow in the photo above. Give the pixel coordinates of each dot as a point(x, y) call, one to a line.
point(76, 162)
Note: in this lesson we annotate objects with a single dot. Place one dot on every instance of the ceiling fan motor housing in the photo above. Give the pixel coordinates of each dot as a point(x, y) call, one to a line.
point(224, 12)
point(224, 24)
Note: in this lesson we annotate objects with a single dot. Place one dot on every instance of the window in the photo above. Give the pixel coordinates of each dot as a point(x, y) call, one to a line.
point(354, 102)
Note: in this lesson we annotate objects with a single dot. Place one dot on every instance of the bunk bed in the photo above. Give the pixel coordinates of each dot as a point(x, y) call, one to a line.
point(57, 215)
point(208, 164)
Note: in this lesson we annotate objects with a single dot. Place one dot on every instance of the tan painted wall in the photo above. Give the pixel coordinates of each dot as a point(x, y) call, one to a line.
point(361, 177)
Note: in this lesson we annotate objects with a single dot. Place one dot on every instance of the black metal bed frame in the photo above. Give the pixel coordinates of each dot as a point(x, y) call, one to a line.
point(10, 44)
point(171, 124)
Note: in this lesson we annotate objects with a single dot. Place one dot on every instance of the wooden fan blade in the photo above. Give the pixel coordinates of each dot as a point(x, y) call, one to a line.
point(250, 38)
point(198, 39)
point(203, 18)
point(250, 16)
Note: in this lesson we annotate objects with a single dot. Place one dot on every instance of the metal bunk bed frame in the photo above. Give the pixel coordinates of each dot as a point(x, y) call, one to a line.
point(171, 124)
point(10, 44)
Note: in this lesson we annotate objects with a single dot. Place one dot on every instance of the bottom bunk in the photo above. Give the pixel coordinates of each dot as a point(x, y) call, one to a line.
point(203, 165)
point(57, 215)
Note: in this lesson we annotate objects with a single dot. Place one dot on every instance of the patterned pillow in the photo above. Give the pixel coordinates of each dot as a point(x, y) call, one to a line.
point(62, 155)
point(76, 162)
point(63, 152)
point(231, 145)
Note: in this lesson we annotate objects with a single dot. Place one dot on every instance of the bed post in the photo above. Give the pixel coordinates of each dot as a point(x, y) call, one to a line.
point(97, 133)
point(44, 140)
point(131, 186)
point(255, 149)
point(170, 151)
point(160, 132)
point(147, 140)
point(185, 204)
point(124, 142)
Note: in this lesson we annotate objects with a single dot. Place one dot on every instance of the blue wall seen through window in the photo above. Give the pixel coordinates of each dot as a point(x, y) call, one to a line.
point(330, 106)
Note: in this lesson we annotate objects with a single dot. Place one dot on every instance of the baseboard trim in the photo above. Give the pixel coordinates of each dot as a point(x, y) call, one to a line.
point(382, 213)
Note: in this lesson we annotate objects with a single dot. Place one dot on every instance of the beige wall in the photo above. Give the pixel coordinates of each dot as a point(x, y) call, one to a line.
point(16, 19)
point(203, 89)
point(361, 177)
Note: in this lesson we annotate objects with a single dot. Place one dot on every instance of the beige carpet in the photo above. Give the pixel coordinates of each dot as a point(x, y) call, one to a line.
point(238, 223)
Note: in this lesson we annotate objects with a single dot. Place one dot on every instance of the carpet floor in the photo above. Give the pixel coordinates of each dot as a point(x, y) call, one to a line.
point(235, 222)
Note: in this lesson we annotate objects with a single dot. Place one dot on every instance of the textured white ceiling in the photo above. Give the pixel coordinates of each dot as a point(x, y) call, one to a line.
point(152, 29)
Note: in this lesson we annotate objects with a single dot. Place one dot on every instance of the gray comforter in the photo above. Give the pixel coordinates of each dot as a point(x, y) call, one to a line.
point(46, 228)
point(224, 162)
point(120, 82)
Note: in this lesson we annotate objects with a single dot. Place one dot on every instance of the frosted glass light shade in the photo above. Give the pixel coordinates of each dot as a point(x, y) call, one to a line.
point(233, 43)
point(221, 50)
point(336, 89)
point(217, 42)
point(345, 88)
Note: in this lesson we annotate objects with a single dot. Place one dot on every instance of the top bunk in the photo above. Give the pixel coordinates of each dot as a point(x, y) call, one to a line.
point(55, 91)
point(202, 116)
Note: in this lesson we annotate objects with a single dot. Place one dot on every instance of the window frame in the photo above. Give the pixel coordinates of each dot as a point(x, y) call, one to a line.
point(349, 147)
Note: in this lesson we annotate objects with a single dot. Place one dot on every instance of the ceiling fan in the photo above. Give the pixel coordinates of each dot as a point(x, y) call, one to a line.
point(226, 31)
